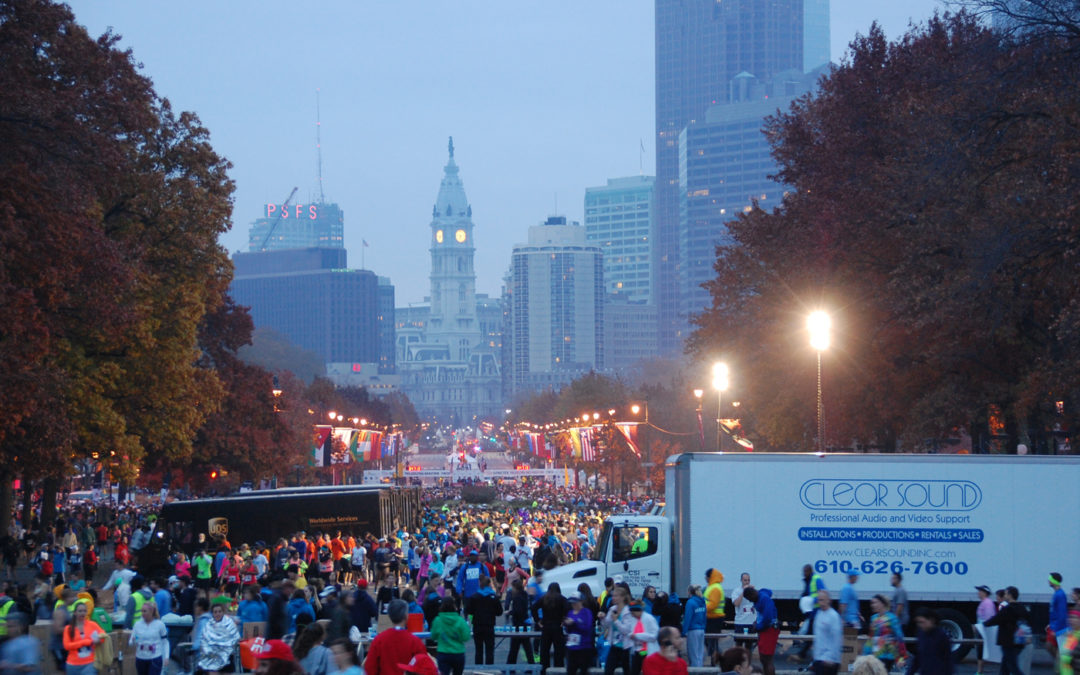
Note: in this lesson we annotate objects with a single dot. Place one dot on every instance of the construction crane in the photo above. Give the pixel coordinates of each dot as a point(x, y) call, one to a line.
point(277, 220)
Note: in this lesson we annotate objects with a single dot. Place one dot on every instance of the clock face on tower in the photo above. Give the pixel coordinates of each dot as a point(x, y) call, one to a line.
point(460, 236)
point(438, 236)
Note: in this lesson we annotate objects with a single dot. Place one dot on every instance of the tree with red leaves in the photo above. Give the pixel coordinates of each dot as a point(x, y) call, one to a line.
point(932, 212)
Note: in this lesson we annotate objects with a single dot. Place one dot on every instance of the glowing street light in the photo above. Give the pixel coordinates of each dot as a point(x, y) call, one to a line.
point(635, 408)
point(698, 394)
point(819, 325)
point(720, 382)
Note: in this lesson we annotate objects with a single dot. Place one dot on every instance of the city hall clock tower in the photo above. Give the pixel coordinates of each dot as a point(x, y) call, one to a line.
point(453, 280)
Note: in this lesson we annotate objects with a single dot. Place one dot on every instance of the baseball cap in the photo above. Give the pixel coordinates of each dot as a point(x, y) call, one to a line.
point(636, 606)
point(361, 583)
point(422, 664)
point(575, 597)
point(328, 591)
point(273, 649)
point(984, 588)
point(853, 572)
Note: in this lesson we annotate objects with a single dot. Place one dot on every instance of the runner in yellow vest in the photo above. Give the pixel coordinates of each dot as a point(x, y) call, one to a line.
point(6, 605)
point(714, 606)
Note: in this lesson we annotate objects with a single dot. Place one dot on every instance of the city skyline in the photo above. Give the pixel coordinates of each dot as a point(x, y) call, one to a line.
point(255, 91)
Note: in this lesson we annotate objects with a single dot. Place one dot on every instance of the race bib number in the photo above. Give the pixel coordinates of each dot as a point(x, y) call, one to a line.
point(472, 573)
point(573, 640)
point(147, 651)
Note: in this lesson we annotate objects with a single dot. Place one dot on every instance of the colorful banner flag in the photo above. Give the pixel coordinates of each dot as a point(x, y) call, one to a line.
point(575, 442)
point(630, 433)
point(343, 438)
point(536, 445)
point(322, 443)
point(734, 429)
point(588, 447)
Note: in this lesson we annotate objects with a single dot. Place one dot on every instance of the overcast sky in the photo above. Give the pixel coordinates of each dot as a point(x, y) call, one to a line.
point(543, 99)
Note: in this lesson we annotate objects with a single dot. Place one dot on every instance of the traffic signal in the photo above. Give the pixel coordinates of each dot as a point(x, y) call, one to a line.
point(213, 474)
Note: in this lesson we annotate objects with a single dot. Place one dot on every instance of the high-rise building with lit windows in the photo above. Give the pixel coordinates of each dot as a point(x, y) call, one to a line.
point(556, 295)
point(724, 167)
point(618, 219)
point(700, 46)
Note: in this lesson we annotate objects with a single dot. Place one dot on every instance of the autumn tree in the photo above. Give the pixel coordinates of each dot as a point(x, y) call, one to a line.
point(110, 209)
point(932, 211)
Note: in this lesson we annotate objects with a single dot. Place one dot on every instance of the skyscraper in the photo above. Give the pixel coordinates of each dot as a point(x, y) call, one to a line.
point(311, 297)
point(557, 307)
point(724, 167)
point(618, 219)
point(700, 46)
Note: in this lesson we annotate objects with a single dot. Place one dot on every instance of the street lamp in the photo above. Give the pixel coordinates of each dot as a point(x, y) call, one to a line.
point(720, 383)
point(698, 394)
point(819, 324)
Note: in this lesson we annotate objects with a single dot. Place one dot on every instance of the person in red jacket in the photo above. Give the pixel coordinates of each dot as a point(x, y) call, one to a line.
point(667, 660)
point(390, 648)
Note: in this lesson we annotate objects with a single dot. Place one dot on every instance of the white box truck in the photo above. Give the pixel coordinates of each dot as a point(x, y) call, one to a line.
point(948, 523)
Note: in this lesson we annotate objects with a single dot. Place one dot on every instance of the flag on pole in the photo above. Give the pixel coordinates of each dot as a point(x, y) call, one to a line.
point(321, 445)
point(343, 439)
point(630, 433)
point(588, 450)
point(734, 429)
point(575, 442)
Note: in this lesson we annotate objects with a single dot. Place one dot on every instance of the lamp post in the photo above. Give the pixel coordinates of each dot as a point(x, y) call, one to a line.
point(646, 449)
point(720, 383)
point(819, 325)
point(698, 394)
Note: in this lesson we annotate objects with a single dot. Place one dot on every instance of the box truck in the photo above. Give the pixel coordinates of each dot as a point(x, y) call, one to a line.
point(947, 523)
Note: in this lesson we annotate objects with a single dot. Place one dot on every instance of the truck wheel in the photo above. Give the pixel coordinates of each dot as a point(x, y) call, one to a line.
point(957, 627)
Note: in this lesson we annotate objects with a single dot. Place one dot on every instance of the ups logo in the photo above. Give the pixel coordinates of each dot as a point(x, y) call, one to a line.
point(219, 527)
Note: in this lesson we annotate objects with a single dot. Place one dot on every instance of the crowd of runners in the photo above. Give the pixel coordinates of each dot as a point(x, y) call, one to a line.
point(465, 574)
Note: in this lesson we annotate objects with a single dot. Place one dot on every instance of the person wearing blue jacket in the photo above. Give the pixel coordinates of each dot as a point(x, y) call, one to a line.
point(468, 578)
point(693, 626)
point(767, 626)
point(252, 609)
point(299, 611)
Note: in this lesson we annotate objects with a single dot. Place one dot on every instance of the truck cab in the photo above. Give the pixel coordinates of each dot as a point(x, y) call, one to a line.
point(635, 549)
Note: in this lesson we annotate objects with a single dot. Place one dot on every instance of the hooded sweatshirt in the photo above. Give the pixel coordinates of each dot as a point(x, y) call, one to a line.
point(484, 607)
point(468, 580)
point(450, 631)
point(766, 610)
point(714, 595)
point(694, 614)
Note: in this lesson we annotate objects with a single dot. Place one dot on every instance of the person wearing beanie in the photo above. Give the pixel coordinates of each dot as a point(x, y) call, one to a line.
point(395, 646)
